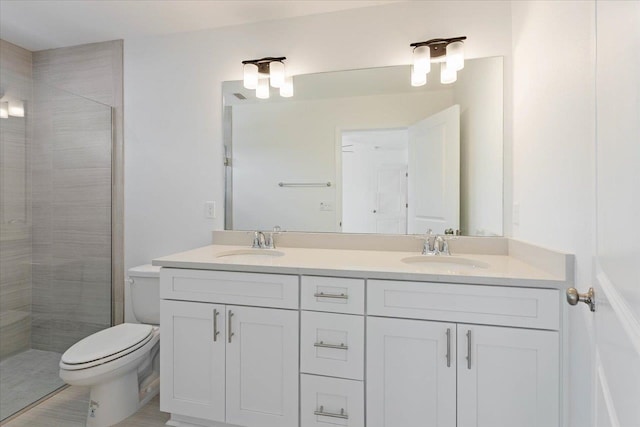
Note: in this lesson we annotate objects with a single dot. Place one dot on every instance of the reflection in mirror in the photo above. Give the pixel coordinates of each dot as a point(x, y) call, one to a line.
point(363, 151)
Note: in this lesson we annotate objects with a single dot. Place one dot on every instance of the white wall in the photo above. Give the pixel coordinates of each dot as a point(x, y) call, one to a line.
point(480, 91)
point(297, 143)
point(553, 150)
point(173, 96)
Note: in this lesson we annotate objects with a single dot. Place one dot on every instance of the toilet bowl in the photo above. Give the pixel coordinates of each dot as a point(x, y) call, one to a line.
point(120, 364)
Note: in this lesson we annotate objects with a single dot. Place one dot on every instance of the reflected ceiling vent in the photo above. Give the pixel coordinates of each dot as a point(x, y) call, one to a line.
point(239, 95)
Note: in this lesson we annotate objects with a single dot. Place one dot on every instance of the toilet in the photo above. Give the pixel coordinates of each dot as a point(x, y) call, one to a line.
point(120, 364)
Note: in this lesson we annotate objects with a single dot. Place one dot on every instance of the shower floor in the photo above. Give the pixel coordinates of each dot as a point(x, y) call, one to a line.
point(27, 377)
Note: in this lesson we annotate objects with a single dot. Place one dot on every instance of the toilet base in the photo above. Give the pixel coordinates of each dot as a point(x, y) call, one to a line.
point(112, 402)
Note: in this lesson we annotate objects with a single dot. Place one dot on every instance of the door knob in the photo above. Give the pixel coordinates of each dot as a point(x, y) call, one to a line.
point(573, 298)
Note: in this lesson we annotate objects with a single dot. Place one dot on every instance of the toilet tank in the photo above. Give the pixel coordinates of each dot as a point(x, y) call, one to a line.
point(145, 293)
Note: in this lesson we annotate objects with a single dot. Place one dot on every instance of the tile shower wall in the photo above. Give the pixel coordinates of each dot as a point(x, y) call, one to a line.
point(74, 89)
point(15, 222)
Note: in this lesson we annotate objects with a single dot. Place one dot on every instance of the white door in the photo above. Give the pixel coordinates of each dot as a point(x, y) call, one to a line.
point(390, 207)
point(192, 360)
point(434, 173)
point(262, 367)
point(617, 269)
point(508, 377)
point(411, 373)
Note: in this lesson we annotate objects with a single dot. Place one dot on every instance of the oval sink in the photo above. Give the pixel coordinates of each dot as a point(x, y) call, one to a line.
point(445, 261)
point(250, 253)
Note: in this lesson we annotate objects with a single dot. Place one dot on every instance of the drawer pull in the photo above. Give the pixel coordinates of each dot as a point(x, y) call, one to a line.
point(331, 414)
point(324, 345)
point(337, 296)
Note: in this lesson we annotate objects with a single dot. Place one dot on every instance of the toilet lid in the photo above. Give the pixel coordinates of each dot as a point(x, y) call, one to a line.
point(106, 343)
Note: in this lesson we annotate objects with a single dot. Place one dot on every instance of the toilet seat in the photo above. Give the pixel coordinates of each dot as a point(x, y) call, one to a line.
point(106, 345)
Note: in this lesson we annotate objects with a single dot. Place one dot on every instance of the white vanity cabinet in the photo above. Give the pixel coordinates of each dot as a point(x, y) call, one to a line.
point(228, 363)
point(444, 374)
point(285, 350)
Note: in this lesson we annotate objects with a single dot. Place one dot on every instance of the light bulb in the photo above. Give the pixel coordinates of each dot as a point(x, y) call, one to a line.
point(447, 75)
point(4, 110)
point(16, 108)
point(417, 79)
point(262, 91)
point(286, 90)
point(422, 59)
point(276, 74)
point(250, 76)
point(455, 56)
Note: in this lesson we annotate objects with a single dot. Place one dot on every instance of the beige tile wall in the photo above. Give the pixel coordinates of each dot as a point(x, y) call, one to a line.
point(15, 209)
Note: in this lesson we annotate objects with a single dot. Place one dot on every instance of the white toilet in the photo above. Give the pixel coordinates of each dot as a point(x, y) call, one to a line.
point(121, 364)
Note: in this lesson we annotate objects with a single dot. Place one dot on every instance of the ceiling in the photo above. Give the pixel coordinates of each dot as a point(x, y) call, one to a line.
point(47, 24)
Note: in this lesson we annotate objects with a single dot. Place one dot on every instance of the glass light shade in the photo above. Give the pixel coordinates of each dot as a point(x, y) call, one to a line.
point(16, 108)
point(447, 75)
point(422, 59)
point(276, 74)
point(250, 76)
point(286, 90)
point(4, 110)
point(418, 78)
point(455, 56)
point(262, 91)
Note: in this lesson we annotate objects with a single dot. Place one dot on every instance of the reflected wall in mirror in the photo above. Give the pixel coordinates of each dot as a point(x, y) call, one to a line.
point(363, 151)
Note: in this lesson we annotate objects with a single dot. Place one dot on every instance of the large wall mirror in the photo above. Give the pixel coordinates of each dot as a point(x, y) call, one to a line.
point(363, 151)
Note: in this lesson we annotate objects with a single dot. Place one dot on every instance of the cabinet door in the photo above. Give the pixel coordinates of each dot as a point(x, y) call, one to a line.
point(411, 373)
point(262, 367)
point(192, 361)
point(511, 379)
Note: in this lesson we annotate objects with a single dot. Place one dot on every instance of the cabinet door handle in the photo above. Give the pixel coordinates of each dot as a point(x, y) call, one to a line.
point(323, 295)
point(448, 347)
point(331, 414)
point(216, 332)
point(340, 346)
point(469, 349)
point(229, 329)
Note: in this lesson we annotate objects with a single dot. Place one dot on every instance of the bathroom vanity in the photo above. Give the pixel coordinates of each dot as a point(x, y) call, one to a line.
point(319, 336)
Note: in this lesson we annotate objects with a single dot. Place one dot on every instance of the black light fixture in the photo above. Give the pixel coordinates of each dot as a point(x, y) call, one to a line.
point(449, 52)
point(259, 72)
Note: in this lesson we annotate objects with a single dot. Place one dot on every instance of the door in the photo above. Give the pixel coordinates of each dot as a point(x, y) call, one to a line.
point(411, 373)
point(434, 173)
point(390, 208)
point(616, 321)
point(507, 377)
point(192, 359)
point(262, 367)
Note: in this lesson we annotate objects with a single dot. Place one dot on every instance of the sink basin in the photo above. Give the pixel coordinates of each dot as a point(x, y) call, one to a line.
point(445, 261)
point(250, 254)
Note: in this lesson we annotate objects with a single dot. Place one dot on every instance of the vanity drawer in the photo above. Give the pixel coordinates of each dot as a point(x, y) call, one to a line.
point(342, 295)
point(342, 401)
point(332, 344)
point(225, 287)
point(490, 305)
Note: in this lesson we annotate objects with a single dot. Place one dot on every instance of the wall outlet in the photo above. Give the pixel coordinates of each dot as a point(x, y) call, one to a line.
point(210, 210)
point(515, 215)
point(326, 206)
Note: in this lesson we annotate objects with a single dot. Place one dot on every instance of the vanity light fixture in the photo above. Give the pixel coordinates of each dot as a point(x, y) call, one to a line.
point(16, 108)
point(4, 110)
point(449, 52)
point(260, 73)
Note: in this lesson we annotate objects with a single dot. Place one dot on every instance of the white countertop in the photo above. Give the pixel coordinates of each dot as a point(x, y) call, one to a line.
point(502, 270)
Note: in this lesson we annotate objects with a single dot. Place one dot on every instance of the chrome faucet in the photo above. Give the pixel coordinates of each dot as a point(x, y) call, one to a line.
point(435, 244)
point(263, 240)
